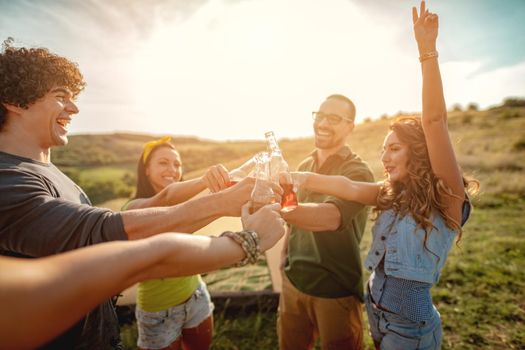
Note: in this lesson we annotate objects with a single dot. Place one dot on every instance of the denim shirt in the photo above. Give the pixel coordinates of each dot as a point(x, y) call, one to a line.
point(400, 242)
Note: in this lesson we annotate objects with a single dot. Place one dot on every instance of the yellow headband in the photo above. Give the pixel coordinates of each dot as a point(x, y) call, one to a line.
point(149, 146)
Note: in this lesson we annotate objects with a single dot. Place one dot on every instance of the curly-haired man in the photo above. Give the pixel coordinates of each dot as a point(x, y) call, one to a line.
point(43, 212)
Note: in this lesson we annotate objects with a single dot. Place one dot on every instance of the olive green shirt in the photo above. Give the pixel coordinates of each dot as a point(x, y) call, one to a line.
point(327, 264)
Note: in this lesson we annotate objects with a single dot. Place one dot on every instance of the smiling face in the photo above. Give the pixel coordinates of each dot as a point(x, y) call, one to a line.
point(164, 167)
point(395, 158)
point(48, 118)
point(330, 136)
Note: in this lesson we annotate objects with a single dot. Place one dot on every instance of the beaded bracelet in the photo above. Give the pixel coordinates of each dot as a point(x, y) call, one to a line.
point(249, 242)
point(428, 55)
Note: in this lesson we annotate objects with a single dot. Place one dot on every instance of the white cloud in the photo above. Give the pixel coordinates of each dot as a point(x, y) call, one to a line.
point(485, 89)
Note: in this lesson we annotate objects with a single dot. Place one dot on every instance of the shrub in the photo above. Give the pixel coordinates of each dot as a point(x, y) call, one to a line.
point(456, 108)
point(467, 119)
point(519, 145)
point(510, 114)
point(472, 107)
point(102, 191)
point(514, 102)
point(73, 174)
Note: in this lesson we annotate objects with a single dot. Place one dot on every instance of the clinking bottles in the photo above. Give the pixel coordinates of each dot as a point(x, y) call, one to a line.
point(279, 167)
point(262, 192)
point(246, 169)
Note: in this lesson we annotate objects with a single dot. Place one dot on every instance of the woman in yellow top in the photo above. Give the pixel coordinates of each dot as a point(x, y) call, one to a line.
point(171, 312)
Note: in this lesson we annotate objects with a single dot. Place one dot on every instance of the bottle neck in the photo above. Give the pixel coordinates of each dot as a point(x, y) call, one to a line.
point(272, 144)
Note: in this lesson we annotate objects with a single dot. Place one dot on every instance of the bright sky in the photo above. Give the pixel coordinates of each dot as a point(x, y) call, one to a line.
point(227, 69)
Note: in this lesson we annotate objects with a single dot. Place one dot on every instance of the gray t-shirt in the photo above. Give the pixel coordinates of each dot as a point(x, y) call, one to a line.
point(43, 212)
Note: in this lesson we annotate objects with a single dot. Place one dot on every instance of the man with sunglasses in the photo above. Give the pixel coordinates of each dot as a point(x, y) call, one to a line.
point(322, 280)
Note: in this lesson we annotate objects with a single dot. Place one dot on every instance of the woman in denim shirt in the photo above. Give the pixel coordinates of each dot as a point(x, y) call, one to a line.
point(421, 206)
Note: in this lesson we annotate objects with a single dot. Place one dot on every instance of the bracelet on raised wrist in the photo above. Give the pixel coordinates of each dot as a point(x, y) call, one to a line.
point(428, 55)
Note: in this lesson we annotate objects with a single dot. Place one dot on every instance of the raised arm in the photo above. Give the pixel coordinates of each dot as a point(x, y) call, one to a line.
point(434, 114)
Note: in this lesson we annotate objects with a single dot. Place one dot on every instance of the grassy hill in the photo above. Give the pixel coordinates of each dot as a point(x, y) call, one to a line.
point(489, 144)
point(481, 295)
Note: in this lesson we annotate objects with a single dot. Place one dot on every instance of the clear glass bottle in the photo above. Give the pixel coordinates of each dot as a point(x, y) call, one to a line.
point(262, 192)
point(279, 167)
point(246, 169)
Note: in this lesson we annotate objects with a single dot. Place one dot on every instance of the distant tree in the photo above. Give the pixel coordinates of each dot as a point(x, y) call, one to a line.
point(7, 42)
point(384, 116)
point(400, 114)
point(473, 107)
point(456, 108)
point(367, 120)
point(514, 102)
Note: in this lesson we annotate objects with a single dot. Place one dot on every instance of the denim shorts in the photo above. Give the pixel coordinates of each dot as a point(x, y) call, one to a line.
point(393, 331)
point(158, 330)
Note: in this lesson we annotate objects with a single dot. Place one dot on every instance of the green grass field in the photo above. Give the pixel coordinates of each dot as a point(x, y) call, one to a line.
point(105, 172)
point(481, 294)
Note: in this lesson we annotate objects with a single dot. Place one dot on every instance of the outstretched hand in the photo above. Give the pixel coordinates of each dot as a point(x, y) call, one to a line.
point(425, 28)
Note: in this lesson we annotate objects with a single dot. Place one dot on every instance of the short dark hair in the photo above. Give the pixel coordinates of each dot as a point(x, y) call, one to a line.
point(144, 188)
point(27, 74)
point(343, 98)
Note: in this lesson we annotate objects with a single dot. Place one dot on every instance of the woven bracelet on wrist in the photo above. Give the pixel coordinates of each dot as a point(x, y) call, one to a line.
point(252, 244)
point(428, 55)
point(249, 242)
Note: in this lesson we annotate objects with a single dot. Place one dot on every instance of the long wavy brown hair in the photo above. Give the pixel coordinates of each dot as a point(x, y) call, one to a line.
point(423, 192)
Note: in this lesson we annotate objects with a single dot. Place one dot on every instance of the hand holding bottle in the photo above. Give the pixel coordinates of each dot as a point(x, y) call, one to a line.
point(278, 169)
point(246, 169)
point(266, 221)
point(262, 193)
point(216, 178)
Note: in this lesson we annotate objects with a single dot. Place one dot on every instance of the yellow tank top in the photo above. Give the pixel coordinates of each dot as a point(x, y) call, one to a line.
point(161, 294)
